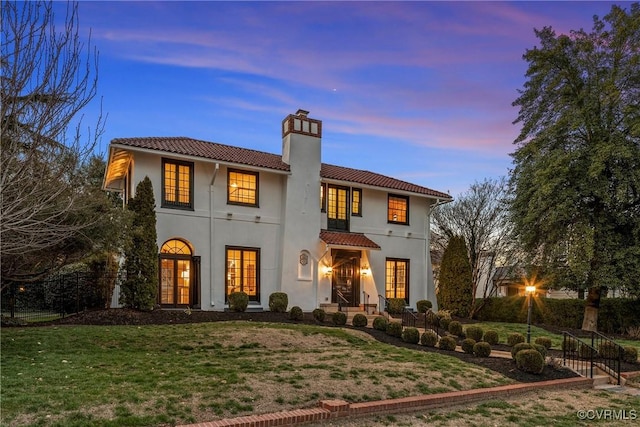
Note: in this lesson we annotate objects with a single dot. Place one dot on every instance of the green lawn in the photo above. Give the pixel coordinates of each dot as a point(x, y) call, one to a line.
point(164, 374)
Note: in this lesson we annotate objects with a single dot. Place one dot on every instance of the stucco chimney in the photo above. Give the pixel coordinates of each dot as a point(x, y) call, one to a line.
point(300, 124)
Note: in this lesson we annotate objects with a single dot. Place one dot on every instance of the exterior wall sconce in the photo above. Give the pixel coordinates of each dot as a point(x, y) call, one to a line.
point(365, 271)
point(328, 270)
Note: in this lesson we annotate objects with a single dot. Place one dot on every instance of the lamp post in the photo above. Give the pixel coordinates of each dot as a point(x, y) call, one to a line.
point(529, 290)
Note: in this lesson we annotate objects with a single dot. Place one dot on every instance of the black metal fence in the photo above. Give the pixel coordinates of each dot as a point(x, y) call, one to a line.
point(57, 296)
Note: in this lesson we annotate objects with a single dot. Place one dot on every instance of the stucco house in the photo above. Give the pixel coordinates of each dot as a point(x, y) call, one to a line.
point(234, 219)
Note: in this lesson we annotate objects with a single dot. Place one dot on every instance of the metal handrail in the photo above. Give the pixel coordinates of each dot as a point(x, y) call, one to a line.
point(383, 303)
point(341, 297)
point(572, 347)
point(366, 301)
point(409, 318)
point(433, 326)
point(613, 363)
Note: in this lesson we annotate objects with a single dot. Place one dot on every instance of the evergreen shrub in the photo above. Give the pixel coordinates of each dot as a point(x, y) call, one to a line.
point(278, 302)
point(429, 338)
point(491, 337)
point(339, 318)
point(447, 343)
point(394, 329)
point(514, 338)
point(467, 345)
point(411, 335)
point(296, 313)
point(238, 301)
point(530, 360)
point(482, 349)
point(380, 323)
point(455, 328)
point(319, 315)
point(474, 332)
point(545, 341)
point(359, 320)
point(423, 305)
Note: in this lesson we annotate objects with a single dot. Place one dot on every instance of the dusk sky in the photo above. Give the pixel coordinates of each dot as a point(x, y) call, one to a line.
point(419, 91)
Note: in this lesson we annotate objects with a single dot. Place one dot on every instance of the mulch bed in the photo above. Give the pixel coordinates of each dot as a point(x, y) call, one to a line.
point(506, 367)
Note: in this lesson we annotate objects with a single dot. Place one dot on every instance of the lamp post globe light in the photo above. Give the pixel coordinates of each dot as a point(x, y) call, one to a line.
point(530, 291)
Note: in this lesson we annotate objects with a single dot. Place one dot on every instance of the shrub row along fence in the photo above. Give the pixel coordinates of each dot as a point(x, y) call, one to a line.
point(616, 315)
point(58, 296)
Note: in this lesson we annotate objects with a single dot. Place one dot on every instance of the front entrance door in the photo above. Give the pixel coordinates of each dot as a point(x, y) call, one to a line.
point(345, 282)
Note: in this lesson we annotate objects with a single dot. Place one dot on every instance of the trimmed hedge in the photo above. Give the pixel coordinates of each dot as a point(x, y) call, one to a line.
point(615, 314)
point(319, 314)
point(467, 345)
point(447, 343)
point(544, 341)
point(238, 301)
point(519, 347)
point(491, 337)
point(514, 338)
point(423, 305)
point(530, 361)
point(411, 335)
point(630, 354)
point(296, 313)
point(394, 329)
point(482, 349)
point(396, 305)
point(380, 323)
point(474, 332)
point(339, 318)
point(429, 339)
point(455, 328)
point(278, 302)
point(359, 320)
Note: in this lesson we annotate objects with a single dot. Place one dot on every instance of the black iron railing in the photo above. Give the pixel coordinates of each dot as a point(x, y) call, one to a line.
point(383, 306)
point(342, 302)
point(409, 318)
point(592, 350)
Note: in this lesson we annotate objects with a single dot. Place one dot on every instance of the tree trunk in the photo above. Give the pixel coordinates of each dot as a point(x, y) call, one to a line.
point(590, 320)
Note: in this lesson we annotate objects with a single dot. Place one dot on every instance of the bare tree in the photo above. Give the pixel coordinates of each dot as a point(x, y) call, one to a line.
point(480, 216)
point(48, 76)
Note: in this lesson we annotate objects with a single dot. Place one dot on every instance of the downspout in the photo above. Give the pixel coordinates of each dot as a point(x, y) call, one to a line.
point(211, 226)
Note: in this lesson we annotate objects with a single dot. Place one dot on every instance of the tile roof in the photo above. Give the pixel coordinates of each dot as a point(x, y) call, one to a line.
point(363, 177)
point(208, 150)
point(227, 153)
point(339, 238)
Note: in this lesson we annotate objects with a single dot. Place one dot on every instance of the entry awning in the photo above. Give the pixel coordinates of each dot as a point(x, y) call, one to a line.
point(339, 239)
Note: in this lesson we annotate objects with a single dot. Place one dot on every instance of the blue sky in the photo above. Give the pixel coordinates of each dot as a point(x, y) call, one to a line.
point(420, 91)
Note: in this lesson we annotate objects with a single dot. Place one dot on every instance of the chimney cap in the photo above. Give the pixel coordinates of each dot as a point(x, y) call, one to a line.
point(302, 113)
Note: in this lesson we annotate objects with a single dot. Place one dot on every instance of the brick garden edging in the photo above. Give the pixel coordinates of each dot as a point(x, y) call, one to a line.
point(330, 409)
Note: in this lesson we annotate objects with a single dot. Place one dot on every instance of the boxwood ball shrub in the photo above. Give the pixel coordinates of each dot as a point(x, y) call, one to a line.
point(295, 313)
point(482, 349)
point(545, 341)
point(519, 347)
point(474, 332)
point(278, 302)
point(411, 335)
point(447, 343)
point(530, 361)
point(238, 301)
point(395, 305)
point(491, 337)
point(432, 318)
point(380, 323)
point(514, 338)
point(394, 329)
point(541, 349)
point(318, 314)
point(339, 318)
point(423, 305)
point(455, 328)
point(467, 345)
point(359, 320)
point(630, 354)
point(429, 339)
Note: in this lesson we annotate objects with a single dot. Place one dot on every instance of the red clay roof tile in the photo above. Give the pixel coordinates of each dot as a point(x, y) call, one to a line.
point(227, 153)
point(339, 238)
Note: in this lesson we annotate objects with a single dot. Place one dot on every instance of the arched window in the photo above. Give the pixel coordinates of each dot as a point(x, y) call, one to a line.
point(176, 274)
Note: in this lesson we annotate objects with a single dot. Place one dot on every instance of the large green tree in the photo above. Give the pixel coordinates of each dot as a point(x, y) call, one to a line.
point(140, 288)
point(576, 176)
point(455, 287)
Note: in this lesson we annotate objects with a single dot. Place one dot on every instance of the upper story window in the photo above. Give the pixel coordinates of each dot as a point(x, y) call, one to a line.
point(356, 202)
point(242, 188)
point(177, 184)
point(337, 208)
point(398, 209)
